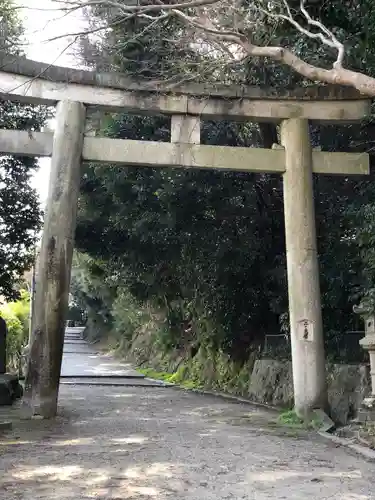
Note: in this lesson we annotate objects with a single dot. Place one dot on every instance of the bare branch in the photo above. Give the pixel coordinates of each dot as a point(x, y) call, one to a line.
point(143, 8)
point(336, 76)
point(205, 25)
point(338, 45)
point(224, 25)
point(41, 73)
point(112, 24)
point(327, 38)
point(179, 9)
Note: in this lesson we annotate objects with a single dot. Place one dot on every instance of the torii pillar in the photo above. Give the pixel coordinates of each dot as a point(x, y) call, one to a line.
point(305, 314)
point(54, 269)
point(296, 163)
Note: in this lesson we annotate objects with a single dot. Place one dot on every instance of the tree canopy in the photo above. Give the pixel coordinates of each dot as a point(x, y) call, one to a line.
point(316, 41)
point(20, 214)
point(208, 247)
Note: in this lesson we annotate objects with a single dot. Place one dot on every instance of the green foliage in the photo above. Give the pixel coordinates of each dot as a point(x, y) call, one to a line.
point(20, 214)
point(16, 315)
point(75, 314)
point(207, 370)
point(21, 310)
point(128, 316)
point(206, 249)
point(173, 378)
point(150, 373)
point(93, 292)
point(11, 28)
point(14, 341)
point(290, 418)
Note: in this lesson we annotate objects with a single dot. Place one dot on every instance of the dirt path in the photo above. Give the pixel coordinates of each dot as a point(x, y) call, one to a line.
point(113, 443)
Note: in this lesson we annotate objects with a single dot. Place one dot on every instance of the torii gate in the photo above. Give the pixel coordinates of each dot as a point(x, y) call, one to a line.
point(76, 91)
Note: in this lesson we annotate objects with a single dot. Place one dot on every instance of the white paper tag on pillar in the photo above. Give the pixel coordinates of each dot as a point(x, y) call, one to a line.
point(305, 330)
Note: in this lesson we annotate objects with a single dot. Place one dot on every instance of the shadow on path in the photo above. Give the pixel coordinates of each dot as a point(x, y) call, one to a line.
point(112, 443)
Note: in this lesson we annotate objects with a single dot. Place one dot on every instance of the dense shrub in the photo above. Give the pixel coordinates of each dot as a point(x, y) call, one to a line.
point(16, 315)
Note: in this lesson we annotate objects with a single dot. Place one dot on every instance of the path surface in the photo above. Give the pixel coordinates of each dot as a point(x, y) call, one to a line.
point(83, 364)
point(81, 359)
point(157, 443)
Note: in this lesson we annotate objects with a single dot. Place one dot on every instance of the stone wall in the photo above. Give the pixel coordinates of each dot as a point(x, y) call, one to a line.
point(271, 382)
point(348, 385)
point(266, 381)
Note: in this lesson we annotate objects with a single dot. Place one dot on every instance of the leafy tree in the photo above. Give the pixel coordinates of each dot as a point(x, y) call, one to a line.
point(11, 29)
point(208, 247)
point(20, 214)
point(242, 30)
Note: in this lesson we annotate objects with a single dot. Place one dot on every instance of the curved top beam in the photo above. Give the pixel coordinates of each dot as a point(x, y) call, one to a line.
point(31, 82)
point(33, 69)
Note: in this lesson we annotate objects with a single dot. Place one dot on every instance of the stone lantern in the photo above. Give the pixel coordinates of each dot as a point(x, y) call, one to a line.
point(3, 354)
point(367, 311)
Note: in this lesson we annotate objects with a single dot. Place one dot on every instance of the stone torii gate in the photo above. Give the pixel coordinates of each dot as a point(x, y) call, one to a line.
point(77, 93)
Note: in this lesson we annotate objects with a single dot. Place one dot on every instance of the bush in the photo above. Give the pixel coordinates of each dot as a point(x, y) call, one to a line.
point(16, 315)
point(21, 310)
point(14, 339)
point(128, 315)
point(75, 315)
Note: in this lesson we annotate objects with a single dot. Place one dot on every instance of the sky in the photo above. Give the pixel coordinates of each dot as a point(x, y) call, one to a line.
point(42, 22)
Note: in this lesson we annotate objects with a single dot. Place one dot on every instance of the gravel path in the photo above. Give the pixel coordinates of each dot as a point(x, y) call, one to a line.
point(81, 359)
point(113, 443)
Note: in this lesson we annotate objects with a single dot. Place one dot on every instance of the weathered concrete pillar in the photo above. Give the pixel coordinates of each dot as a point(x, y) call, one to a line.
point(54, 268)
point(303, 272)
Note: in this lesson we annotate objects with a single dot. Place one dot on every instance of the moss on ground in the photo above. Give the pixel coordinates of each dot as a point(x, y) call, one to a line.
point(150, 373)
point(207, 370)
point(173, 378)
point(291, 419)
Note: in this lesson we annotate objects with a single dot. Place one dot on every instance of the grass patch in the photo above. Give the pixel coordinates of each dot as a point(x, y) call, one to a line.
point(150, 373)
point(291, 419)
point(190, 384)
point(172, 378)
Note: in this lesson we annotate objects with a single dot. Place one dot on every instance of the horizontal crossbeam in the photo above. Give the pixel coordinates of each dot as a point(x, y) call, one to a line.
point(39, 91)
point(165, 154)
point(20, 65)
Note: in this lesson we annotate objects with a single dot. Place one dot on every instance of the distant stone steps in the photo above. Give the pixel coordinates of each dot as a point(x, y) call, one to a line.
point(112, 381)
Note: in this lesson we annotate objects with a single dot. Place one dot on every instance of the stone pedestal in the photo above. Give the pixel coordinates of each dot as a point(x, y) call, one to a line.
point(3, 353)
point(10, 389)
point(367, 411)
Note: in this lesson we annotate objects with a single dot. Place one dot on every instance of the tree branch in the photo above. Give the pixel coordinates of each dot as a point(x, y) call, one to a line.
point(197, 14)
point(143, 8)
point(336, 76)
point(324, 35)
